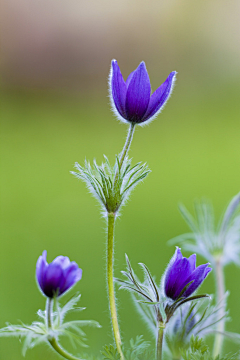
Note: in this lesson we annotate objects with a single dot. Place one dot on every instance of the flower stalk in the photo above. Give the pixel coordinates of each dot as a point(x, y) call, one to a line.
point(112, 302)
point(124, 151)
point(127, 143)
point(220, 289)
point(110, 252)
point(52, 340)
point(49, 307)
point(161, 328)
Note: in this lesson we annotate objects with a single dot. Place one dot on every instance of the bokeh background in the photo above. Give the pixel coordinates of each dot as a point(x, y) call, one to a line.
point(55, 111)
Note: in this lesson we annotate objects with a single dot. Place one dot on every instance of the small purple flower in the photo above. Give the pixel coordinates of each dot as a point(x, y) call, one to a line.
point(132, 100)
point(56, 278)
point(180, 272)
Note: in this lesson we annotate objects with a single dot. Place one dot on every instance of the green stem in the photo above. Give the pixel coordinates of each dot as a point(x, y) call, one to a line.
point(127, 143)
point(49, 307)
point(220, 295)
point(112, 303)
point(52, 341)
point(125, 149)
point(161, 328)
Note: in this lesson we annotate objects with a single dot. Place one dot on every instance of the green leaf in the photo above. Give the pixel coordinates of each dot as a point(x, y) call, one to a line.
point(110, 353)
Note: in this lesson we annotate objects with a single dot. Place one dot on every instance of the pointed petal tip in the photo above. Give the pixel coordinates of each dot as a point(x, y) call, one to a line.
point(208, 270)
point(114, 61)
point(178, 250)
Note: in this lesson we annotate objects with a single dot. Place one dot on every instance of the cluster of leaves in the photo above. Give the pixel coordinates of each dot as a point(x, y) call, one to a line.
point(111, 185)
point(38, 332)
point(138, 350)
point(194, 319)
point(208, 240)
point(200, 351)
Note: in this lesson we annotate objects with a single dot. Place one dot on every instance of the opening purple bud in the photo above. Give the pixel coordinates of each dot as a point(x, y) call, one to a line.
point(56, 278)
point(181, 272)
point(132, 100)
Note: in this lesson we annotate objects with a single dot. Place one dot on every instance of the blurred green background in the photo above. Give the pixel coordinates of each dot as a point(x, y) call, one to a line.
point(55, 111)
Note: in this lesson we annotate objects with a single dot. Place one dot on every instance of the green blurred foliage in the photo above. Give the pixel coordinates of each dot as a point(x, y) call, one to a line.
point(193, 150)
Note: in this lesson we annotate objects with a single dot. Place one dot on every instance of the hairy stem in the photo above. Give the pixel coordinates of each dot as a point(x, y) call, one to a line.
point(111, 223)
point(52, 341)
point(160, 341)
point(112, 303)
point(125, 149)
point(127, 143)
point(49, 307)
point(220, 284)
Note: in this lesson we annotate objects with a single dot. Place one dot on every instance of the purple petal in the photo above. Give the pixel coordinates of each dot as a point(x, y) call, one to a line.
point(72, 275)
point(198, 276)
point(118, 89)
point(192, 261)
point(53, 279)
point(129, 78)
point(41, 268)
point(63, 261)
point(180, 271)
point(159, 97)
point(176, 257)
point(138, 94)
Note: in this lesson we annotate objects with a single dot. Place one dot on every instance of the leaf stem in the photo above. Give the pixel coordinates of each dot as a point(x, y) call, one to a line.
point(161, 328)
point(52, 340)
point(112, 303)
point(220, 284)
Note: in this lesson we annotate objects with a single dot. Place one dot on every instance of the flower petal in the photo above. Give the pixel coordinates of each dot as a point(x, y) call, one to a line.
point(130, 78)
point(138, 94)
point(192, 261)
point(198, 276)
point(72, 275)
point(52, 280)
point(179, 274)
point(63, 261)
point(118, 89)
point(41, 268)
point(159, 97)
point(176, 257)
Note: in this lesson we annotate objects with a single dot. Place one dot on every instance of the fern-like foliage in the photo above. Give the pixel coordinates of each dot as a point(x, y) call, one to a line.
point(198, 350)
point(38, 332)
point(138, 350)
point(110, 353)
point(111, 185)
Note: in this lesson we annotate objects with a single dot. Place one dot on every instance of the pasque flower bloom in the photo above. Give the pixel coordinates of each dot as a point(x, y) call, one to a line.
point(132, 100)
point(56, 278)
point(182, 271)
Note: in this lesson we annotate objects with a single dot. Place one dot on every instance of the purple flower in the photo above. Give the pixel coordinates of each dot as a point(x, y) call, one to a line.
point(132, 100)
point(56, 278)
point(180, 272)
